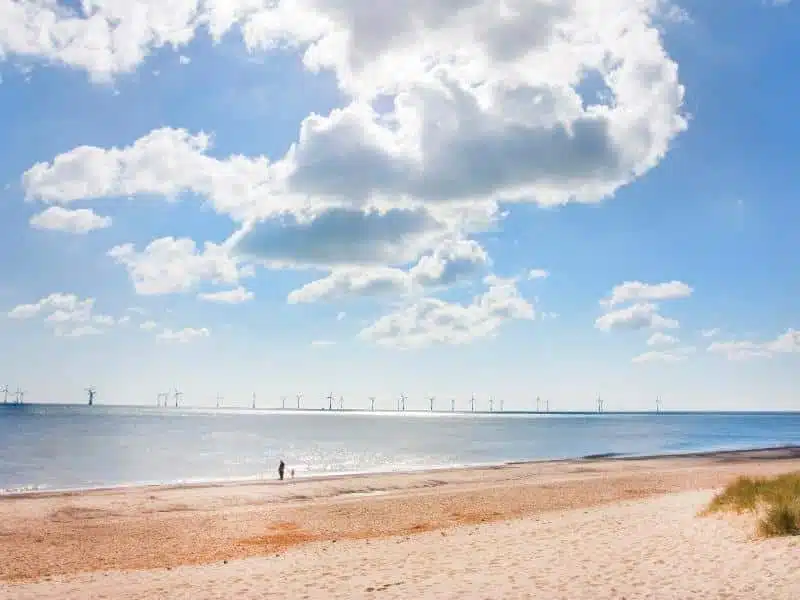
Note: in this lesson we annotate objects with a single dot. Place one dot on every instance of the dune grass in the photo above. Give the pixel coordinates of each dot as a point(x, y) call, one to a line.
point(776, 502)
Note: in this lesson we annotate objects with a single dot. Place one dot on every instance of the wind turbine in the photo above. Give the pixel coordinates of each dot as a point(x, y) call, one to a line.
point(547, 406)
point(600, 404)
point(283, 401)
point(178, 395)
point(372, 403)
point(341, 402)
point(491, 403)
point(219, 399)
point(538, 404)
point(432, 399)
point(254, 400)
point(658, 404)
point(329, 397)
point(299, 398)
point(403, 399)
point(472, 403)
point(452, 405)
point(4, 389)
point(501, 405)
point(92, 393)
point(20, 396)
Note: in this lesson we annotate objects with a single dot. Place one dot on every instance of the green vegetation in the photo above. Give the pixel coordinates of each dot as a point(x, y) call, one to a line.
point(776, 501)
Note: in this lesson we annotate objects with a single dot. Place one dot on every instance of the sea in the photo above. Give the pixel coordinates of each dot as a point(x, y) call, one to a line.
point(56, 447)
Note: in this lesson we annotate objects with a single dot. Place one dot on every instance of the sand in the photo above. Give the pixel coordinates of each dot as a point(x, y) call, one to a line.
point(570, 529)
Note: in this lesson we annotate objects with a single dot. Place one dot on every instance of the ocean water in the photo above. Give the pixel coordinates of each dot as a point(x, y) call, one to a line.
point(45, 447)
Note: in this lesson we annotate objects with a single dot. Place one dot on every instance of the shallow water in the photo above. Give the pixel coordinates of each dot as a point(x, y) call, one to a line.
point(62, 447)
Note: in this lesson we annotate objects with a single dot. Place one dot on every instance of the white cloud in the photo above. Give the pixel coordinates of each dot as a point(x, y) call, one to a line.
point(668, 356)
point(740, 350)
point(112, 36)
point(353, 282)
point(184, 60)
point(169, 265)
point(635, 317)
point(24, 311)
point(710, 333)
point(237, 295)
point(661, 339)
point(449, 263)
point(80, 221)
point(183, 336)
point(69, 315)
point(641, 314)
point(166, 162)
point(538, 274)
point(341, 316)
point(636, 291)
point(786, 343)
point(148, 325)
point(483, 102)
point(53, 302)
point(434, 321)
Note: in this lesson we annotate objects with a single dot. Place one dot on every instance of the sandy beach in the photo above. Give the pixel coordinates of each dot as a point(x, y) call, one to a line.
point(603, 528)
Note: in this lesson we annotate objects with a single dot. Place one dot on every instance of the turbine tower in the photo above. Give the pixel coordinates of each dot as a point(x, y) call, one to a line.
point(501, 405)
point(177, 395)
point(659, 406)
point(491, 403)
point(299, 399)
point(538, 404)
point(403, 399)
point(600, 404)
point(341, 402)
point(432, 399)
point(329, 397)
point(452, 405)
point(219, 399)
point(4, 389)
point(547, 406)
point(472, 403)
point(254, 401)
point(372, 403)
point(283, 401)
point(20, 396)
point(92, 392)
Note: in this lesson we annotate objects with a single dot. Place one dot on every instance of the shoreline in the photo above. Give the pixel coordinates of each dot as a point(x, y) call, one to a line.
point(260, 480)
point(156, 528)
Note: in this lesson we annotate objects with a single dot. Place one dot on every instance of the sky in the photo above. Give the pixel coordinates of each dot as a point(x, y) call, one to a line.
point(552, 198)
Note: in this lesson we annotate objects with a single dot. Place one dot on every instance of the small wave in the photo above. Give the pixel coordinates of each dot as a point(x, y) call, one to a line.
point(24, 489)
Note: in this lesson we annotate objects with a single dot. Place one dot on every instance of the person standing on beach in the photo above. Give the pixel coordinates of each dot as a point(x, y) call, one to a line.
point(281, 467)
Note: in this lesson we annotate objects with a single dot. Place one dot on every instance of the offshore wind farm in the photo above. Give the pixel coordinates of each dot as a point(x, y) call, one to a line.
point(174, 398)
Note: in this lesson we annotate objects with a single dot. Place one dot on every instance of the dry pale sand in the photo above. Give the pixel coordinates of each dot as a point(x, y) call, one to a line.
point(573, 529)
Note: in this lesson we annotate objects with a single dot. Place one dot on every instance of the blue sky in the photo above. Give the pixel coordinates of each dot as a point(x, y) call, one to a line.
point(553, 200)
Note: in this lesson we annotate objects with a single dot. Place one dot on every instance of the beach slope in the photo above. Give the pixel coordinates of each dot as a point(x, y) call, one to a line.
point(568, 529)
